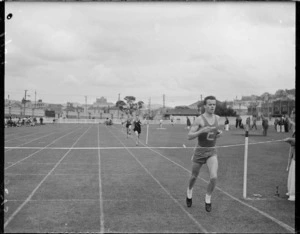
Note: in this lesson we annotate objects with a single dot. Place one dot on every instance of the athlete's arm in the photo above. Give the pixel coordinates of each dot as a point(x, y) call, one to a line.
point(197, 129)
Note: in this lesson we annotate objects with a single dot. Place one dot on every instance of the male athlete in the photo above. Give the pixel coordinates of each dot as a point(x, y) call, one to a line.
point(205, 129)
point(128, 126)
point(137, 129)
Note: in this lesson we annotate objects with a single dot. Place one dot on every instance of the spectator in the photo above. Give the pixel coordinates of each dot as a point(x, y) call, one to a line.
point(41, 120)
point(286, 125)
point(188, 123)
point(237, 122)
point(240, 122)
point(254, 122)
point(226, 124)
point(291, 168)
point(291, 160)
point(160, 123)
point(275, 124)
point(265, 125)
point(281, 123)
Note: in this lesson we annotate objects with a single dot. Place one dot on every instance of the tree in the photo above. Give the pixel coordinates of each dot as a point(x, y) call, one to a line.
point(280, 93)
point(223, 110)
point(130, 106)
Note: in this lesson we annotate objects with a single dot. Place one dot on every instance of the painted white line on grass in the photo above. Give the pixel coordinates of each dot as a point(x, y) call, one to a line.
point(287, 227)
point(100, 188)
point(37, 187)
point(16, 147)
point(55, 200)
point(280, 223)
point(19, 146)
point(166, 191)
point(40, 149)
point(21, 136)
point(145, 147)
point(55, 174)
point(46, 163)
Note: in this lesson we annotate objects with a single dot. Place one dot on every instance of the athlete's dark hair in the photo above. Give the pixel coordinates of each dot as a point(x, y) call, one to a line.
point(209, 98)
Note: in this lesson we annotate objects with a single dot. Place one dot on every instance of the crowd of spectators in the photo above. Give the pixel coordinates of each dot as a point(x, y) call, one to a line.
point(281, 124)
point(19, 122)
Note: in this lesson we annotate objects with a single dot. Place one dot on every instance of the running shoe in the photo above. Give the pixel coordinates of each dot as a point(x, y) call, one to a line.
point(188, 202)
point(208, 207)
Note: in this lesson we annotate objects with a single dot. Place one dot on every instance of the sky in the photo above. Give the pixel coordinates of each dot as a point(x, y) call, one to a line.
point(68, 51)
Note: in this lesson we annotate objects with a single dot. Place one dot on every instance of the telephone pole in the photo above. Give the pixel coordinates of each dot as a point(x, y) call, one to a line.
point(86, 106)
point(25, 102)
point(118, 107)
point(34, 99)
point(163, 101)
point(149, 105)
point(9, 106)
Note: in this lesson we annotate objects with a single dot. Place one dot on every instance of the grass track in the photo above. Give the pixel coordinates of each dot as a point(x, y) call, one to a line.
point(143, 190)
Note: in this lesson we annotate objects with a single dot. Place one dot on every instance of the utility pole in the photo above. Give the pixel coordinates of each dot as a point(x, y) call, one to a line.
point(85, 105)
point(163, 101)
point(25, 103)
point(149, 106)
point(35, 99)
point(118, 107)
point(9, 107)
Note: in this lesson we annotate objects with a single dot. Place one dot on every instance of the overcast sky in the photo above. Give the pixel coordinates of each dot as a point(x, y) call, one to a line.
point(65, 50)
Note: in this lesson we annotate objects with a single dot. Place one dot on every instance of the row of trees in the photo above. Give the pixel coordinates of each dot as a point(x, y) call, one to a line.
point(131, 106)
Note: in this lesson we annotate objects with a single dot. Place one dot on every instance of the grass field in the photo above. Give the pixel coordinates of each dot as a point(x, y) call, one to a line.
point(91, 178)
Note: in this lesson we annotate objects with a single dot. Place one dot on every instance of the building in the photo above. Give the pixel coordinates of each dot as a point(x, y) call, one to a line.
point(102, 102)
point(40, 104)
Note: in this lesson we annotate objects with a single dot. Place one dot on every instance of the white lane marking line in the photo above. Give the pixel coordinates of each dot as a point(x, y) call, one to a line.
point(287, 227)
point(40, 149)
point(37, 187)
point(166, 191)
point(100, 189)
point(30, 141)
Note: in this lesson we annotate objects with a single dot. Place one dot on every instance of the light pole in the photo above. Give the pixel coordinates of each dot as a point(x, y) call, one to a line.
point(9, 106)
point(25, 103)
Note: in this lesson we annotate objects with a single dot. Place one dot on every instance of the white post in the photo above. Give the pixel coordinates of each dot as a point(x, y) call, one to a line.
point(245, 166)
point(147, 133)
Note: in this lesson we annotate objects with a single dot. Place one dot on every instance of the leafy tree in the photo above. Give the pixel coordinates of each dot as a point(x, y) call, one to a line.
point(130, 106)
point(280, 93)
point(121, 105)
